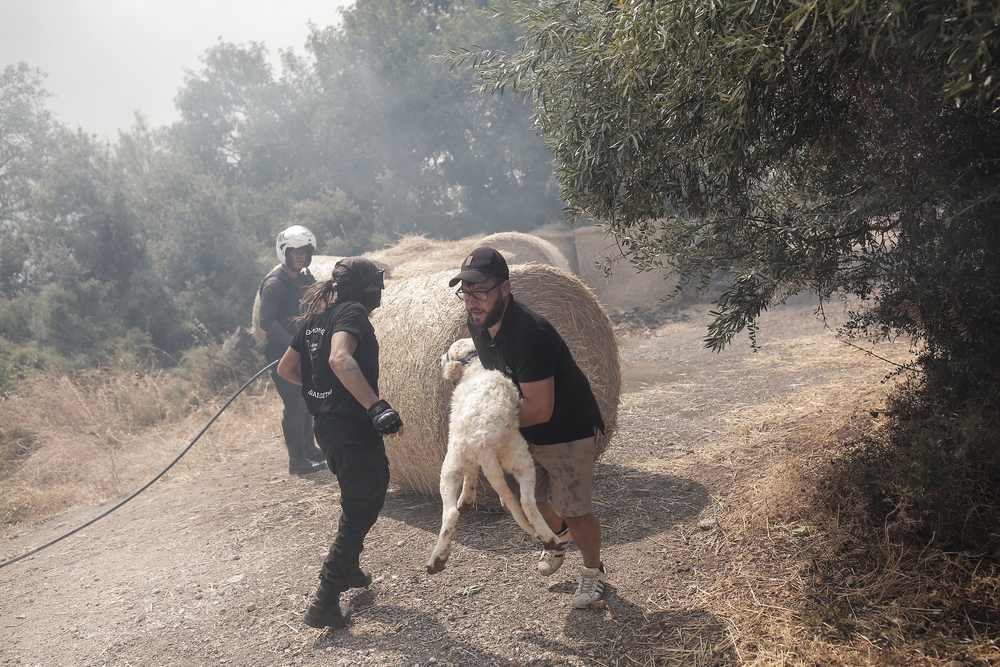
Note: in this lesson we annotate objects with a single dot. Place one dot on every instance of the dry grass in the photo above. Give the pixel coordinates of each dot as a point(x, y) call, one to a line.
point(418, 320)
point(793, 583)
point(112, 432)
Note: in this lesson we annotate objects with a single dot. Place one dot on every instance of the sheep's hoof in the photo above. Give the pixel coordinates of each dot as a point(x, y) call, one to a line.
point(436, 565)
point(552, 545)
point(465, 509)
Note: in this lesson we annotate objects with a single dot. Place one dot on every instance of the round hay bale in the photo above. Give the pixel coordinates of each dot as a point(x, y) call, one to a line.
point(519, 248)
point(259, 336)
point(420, 318)
point(416, 255)
point(625, 289)
point(321, 266)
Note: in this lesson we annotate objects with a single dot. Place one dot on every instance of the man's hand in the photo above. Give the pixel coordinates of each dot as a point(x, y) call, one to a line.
point(385, 420)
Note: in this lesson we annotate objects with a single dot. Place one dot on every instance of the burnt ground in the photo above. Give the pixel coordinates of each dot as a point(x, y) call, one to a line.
point(216, 568)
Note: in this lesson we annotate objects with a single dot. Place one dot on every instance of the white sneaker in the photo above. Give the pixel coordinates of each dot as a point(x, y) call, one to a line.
point(552, 559)
point(591, 586)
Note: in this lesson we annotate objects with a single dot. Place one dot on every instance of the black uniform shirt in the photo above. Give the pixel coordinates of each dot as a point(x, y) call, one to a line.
point(527, 348)
point(322, 390)
point(280, 296)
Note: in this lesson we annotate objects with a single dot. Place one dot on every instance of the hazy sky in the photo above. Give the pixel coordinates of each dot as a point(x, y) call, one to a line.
point(107, 59)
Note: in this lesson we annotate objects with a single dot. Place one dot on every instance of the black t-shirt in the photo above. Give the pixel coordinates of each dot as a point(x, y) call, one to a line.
point(322, 390)
point(527, 348)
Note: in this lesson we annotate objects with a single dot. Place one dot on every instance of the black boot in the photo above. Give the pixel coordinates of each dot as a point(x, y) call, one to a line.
point(295, 431)
point(303, 466)
point(299, 464)
point(359, 579)
point(309, 448)
point(326, 610)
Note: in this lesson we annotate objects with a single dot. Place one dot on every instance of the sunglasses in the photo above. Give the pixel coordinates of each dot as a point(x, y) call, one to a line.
point(478, 295)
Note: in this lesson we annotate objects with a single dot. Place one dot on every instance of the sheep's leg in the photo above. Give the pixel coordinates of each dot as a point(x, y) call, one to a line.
point(494, 473)
point(451, 476)
point(518, 462)
point(469, 481)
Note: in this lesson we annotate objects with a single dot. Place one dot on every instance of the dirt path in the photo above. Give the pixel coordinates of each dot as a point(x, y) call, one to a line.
point(217, 569)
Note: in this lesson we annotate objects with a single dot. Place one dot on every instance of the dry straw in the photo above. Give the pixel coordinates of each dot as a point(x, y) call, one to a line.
point(420, 318)
point(417, 256)
point(258, 334)
point(520, 248)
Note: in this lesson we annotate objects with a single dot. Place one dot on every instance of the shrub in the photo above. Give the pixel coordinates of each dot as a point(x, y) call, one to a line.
point(931, 475)
point(219, 368)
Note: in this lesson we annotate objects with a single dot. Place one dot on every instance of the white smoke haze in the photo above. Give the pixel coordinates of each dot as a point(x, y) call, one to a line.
point(108, 59)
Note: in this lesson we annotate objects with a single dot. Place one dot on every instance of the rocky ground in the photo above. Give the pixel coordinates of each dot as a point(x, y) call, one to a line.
point(216, 568)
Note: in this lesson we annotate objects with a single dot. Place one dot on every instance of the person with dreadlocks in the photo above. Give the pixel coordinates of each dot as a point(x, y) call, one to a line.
point(334, 356)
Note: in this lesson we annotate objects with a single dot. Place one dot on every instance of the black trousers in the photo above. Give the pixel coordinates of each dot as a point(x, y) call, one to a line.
point(356, 455)
point(296, 422)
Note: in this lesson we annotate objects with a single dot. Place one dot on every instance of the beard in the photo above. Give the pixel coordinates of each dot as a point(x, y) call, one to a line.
point(492, 316)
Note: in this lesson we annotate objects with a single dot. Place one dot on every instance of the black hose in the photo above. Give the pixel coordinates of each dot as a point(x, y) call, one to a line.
point(150, 482)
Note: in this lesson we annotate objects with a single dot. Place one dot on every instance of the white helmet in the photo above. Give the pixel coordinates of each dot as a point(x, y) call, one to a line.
point(295, 236)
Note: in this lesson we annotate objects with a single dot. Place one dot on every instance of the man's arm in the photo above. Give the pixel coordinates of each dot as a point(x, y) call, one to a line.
point(342, 347)
point(288, 366)
point(538, 399)
point(270, 304)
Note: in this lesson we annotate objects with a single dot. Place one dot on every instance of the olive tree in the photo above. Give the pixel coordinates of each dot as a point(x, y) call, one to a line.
point(833, 146)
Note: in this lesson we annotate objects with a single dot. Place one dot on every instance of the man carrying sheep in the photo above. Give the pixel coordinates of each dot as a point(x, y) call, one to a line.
point(334, 356)
point(281, 292)
point(559, 414)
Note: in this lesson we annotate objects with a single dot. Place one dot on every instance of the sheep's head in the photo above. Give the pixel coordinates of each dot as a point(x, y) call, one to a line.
point(454, 360)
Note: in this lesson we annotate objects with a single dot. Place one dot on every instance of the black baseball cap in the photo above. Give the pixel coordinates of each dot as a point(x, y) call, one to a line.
point(482, 264)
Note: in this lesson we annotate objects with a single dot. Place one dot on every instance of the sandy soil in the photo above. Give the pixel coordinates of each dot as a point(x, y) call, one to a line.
point(217, 568)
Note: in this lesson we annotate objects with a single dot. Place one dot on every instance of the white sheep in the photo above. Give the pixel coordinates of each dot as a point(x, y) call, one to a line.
point(483, 433)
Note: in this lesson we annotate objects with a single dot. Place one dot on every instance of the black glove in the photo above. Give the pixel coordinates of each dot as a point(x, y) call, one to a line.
point(384, 418)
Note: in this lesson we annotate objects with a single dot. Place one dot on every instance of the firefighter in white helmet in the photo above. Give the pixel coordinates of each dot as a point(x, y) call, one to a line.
point(281, 292)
